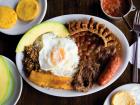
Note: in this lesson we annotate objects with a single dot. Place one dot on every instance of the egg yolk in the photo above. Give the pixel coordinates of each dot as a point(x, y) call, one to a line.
point(57, 55)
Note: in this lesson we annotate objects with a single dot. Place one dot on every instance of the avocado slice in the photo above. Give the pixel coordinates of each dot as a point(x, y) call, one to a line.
point(49, 26)
point(6, 81)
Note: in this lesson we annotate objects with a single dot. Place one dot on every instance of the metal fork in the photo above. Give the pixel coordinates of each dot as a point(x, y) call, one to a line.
point(136, 29)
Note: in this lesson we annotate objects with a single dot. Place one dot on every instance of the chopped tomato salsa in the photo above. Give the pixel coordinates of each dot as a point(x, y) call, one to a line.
point(115, 7)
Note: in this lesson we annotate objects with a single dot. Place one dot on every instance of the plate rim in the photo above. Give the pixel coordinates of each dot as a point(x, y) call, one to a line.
point(87, 93)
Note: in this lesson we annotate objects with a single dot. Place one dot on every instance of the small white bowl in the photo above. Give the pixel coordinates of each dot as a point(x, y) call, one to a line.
point(17, 86)
point(133, 88)
point(131, 8)
point(67, 93)
point(20, 26)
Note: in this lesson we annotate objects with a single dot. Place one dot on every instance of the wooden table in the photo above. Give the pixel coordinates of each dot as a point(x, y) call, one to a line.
point(30, 96)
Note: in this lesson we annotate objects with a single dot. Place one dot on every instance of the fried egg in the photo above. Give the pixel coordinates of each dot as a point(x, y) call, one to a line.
point(58, 55)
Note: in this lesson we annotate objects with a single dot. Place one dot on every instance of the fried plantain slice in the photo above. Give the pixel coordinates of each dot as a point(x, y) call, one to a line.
point(47, 79)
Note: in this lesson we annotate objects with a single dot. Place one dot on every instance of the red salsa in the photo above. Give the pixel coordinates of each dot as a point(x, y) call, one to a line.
point(115, 7)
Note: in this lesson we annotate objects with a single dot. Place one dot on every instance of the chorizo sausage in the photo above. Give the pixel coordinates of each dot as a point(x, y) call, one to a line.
point(110, 70)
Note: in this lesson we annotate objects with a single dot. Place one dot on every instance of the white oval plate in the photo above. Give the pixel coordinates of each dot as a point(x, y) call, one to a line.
point(65, 93)
point(17, 86)
point(133, 87)
point(21, 27)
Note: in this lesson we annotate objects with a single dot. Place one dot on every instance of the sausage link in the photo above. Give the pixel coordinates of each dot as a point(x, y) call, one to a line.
point(110, 70)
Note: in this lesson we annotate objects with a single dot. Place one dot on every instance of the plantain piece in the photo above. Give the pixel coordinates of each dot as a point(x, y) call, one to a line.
point(27, 10)
point(8, 17)
point(47, 79)
point(76, 27)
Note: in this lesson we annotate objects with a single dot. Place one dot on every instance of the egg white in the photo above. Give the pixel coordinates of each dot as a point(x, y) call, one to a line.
point(68, 65)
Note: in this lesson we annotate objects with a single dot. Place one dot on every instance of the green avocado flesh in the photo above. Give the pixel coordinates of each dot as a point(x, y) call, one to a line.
point(6, 81)
point(49, 26)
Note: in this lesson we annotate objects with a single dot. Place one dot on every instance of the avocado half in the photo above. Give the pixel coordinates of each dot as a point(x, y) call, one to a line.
point(6, 80)
point(57, 28)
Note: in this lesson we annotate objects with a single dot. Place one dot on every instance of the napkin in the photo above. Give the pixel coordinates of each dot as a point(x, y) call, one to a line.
point(132, 53)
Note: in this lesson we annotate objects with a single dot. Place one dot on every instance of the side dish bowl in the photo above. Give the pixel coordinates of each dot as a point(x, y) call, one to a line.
point(21, 27)
point(132, 88)
point(69, 93)
point(18, 83)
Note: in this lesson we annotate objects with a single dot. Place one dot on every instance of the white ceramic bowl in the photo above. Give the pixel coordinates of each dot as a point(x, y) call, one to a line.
point(21, 27)
point(131, 8)
point(65, 93)
point(17, 86)
point(133, 88)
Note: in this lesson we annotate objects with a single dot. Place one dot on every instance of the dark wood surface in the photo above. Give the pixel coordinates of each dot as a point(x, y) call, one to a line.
point(30, 96)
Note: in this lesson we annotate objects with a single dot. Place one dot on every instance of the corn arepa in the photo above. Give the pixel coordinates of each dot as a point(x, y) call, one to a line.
point(8, 17)
point(27, 10)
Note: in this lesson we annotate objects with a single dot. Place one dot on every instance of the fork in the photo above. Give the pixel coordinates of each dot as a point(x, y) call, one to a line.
point(136, 29)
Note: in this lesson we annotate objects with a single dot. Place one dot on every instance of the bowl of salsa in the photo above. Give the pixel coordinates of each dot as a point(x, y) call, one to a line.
point(115, 9)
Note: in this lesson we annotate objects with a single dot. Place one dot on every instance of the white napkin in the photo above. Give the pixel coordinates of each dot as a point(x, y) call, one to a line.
point(132, 53)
